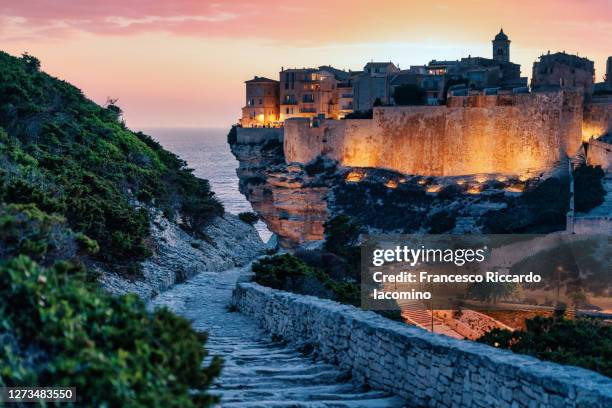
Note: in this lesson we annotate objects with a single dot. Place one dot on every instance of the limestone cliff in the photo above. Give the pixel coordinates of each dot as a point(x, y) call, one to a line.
point(291, 203)
point(227, 242)
point(295, 200)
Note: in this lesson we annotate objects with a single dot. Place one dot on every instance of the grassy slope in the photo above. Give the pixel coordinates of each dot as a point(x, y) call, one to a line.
point(72, 157)
point(73, 181)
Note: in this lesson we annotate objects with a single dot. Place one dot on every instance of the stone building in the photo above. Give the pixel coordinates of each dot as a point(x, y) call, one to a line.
point(262, 107)
point(608, 78)
point(561, 70)
point(501, 47)
point(379, 80)
point(372, 86)
point(312, 92)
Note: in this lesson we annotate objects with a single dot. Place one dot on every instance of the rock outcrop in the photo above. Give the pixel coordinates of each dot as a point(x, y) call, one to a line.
point(292, 204)
point(177, 256)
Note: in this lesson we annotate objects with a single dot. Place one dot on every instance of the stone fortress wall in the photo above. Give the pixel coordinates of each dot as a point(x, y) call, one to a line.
point(258, 135)
point(424, 368)
point(510, 134)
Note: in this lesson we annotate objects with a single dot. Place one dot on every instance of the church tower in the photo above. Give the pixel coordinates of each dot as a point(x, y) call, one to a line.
point(501, 47)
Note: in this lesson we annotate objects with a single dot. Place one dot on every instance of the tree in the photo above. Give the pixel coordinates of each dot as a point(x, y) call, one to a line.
point(588, 190)
point(31, 62)
point(409, 94)
point(341, 233)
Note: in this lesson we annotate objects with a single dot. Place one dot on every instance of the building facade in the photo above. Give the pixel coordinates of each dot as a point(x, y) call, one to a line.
point(262, 103)
point(561, 70)
point(312, 92)
point(372, 86)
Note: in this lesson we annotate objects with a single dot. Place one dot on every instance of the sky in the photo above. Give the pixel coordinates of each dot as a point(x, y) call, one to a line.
point(184, 62)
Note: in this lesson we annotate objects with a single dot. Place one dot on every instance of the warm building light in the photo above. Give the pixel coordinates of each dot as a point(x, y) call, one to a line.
point(515, 189)
point(524, 177)
point(502, 179)
point(391, 184)
point(260, 118)
point(461, 182)
point(354, 177)
point(474, 190)
point(480, 179)
point(434, 189)
point(590, 130)
point(402, 180)
point(421, 182)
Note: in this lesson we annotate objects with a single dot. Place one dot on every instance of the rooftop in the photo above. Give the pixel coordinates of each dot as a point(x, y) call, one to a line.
point(260, 79)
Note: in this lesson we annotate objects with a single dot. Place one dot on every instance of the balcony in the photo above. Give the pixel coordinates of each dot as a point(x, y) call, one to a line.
point(308, 110)
point(308, 99)
point(289, 102)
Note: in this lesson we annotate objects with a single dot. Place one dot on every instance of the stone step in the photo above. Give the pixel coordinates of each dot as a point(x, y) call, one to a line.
point(257, 371)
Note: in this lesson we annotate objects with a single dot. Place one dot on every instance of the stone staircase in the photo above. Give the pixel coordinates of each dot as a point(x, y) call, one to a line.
point(416, 314)
point(257, 371)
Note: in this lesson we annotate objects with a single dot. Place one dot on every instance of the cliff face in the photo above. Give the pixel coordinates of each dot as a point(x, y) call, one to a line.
point(292, 204)
point(295, 200)
point(225, 243)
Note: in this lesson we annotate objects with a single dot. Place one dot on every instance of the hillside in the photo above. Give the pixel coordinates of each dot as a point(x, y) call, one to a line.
point(79, 193)
point(73, 158)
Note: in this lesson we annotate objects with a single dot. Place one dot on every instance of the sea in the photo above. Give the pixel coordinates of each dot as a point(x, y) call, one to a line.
point(206, 151)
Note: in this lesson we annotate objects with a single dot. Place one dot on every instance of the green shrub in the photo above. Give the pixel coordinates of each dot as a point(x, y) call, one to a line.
point(315, 166)
point(60, 331)
point(249, 217)
point(232, 136)
point(581, 342)
point(440, 222)
point(71, 157)
point(287, 272)
point(588, 189)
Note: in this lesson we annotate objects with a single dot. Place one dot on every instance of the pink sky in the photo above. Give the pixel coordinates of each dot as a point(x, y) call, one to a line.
point(183, 63)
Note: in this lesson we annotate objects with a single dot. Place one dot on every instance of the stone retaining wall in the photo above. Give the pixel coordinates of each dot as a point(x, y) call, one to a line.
point(512, 134)
point(424, 368)
point(258, 135)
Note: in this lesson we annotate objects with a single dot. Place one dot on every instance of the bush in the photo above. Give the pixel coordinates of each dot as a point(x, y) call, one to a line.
point(110, 348)
point(588, 189)
point(287, 272)
point(581, 342)
point(75, 159)
point(315, 166)
point(232, 136)
point(249, 217)
point(440, 222)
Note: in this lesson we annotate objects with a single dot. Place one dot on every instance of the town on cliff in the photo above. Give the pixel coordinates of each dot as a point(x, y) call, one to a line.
point(466, 147)
point(473, 125)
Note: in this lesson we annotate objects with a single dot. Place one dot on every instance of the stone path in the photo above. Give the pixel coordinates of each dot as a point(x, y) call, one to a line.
point(257, 371)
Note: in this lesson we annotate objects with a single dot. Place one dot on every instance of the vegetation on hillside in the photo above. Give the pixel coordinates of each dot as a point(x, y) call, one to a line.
point(71, 157)
point(588, 190)
point(75, 191)
point(580, 342)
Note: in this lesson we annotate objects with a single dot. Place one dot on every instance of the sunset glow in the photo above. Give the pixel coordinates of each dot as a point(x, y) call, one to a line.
point(184, 63)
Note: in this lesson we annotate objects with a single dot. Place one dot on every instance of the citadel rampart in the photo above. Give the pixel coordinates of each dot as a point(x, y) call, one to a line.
point(510, 134)
point(424, 368)
point(597, 118)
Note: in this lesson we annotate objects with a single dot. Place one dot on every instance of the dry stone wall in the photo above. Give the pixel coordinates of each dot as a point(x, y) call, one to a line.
point(510, 134)
point(424, 368)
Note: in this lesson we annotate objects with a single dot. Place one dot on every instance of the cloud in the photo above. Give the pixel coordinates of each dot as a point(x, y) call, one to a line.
point(39, 19)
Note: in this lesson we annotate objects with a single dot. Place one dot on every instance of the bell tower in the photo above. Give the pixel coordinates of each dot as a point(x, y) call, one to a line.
point(501, 47)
